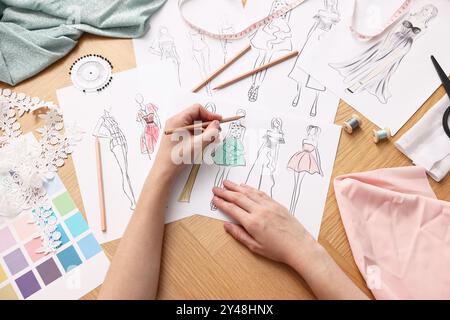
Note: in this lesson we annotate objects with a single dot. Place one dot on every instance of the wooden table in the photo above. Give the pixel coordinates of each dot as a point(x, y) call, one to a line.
point(200, 261)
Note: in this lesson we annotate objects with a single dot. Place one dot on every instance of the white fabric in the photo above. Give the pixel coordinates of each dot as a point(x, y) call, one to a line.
point(426, 144)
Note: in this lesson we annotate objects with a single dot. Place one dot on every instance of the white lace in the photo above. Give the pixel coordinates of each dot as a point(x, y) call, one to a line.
point(26, 166)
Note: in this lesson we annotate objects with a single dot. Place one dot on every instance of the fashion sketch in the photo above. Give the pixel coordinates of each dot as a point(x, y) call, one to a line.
point(108, 128)
point(166, 49)
point(324, 20)
point(372, 70)
point(230, 152)
point(226, 28)
point(148, 117)
point(201, 52)
point(185, 195)
point(261, 173)
point(305, 162)
point(269, 40)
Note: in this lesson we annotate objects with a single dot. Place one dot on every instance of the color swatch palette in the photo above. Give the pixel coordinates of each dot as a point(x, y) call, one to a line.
point(77, 267)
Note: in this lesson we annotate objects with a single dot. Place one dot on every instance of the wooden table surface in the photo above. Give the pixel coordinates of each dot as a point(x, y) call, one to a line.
point(200, 261)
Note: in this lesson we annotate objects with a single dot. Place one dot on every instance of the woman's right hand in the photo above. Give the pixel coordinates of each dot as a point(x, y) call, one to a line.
point(266, 227)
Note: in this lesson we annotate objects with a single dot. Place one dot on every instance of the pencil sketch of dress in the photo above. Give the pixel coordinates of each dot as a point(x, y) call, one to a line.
point(167, 50)
point(306, 161)
point(108, 128)
point(148, 117)
point(324, 20)
point(268, 40)
point(185, 195)
point(201, 51)
point(230, 152)
point(373, 69)
point(226, 28)
point(261, 174)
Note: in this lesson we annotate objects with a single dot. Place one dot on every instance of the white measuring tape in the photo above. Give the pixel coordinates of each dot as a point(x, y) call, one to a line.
point(397, 15)
point(285, 9)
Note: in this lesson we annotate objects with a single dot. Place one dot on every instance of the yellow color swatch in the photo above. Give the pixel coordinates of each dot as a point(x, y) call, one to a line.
point(7, 293)
point(3, 276)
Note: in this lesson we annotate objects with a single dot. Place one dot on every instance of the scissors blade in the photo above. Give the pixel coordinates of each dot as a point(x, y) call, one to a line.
point(442, 75)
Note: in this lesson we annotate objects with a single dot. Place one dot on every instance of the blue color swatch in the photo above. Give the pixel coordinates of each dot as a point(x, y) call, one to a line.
point(69, 258)
point(76, 224)
point(89, 246)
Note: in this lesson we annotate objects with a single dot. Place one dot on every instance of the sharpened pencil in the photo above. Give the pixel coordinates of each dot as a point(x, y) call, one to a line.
point(222, 68)
point(202, 125)
point(259, 69)
point(101, 193)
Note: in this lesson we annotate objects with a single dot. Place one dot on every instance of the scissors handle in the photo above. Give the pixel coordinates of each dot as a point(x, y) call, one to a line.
point(444, 79)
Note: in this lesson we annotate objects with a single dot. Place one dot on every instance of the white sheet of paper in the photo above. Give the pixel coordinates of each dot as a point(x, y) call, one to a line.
point(126, 150)
point(192, 55)
point(313, 155)
point(285, 86)
point(392, 76)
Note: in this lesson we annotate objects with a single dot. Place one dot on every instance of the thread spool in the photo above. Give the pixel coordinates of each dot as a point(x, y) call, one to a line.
point(381, 135)
point(352, 124)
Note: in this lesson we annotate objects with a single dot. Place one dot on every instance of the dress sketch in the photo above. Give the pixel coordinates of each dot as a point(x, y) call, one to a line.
point(167, 50)
point(324, 20)
point(226, 28)
point(201, 52)
point(185, 195)
point(148, 117)
point(306, 161)
point(261, 173)
point(373, 69)
point(230, 152)
point(268, 40)
point(108, 128)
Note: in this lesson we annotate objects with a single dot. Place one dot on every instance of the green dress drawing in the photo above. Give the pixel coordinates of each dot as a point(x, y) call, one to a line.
point(230, 153)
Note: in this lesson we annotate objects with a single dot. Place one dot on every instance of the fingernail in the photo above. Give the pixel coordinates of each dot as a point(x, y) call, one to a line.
point(216, 124)
point(230, 182)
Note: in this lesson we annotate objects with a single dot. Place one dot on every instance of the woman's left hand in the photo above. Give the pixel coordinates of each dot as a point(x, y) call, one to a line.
point(265, 226)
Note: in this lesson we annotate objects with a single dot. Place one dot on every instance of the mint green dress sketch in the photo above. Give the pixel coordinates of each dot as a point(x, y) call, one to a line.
point(230, 152)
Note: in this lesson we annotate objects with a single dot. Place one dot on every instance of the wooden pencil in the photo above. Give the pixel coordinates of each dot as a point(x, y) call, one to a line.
point(222, 68)
point(101, 193)
point(202, 125)
point(259, 69)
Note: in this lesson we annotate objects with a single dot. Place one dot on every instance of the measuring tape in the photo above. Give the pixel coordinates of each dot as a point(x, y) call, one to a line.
point(248, 30)
point(393, 19)
point(280, 12)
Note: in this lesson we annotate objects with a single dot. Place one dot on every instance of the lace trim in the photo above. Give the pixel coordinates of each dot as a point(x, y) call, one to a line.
point(26, 166)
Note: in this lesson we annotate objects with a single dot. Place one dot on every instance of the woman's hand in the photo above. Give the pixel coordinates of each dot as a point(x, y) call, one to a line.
point(172, 150)
point(266, 227)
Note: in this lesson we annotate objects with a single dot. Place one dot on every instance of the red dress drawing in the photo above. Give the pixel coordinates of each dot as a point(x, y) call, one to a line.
point(150, 135)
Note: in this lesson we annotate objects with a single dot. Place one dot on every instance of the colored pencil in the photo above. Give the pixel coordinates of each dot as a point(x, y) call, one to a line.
point(202, 125)
point(101, 193)
point(259, 69)
point(222, 68)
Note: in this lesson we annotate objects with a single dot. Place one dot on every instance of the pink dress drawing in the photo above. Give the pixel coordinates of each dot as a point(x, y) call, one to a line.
point(305, 160)
point(150, 134)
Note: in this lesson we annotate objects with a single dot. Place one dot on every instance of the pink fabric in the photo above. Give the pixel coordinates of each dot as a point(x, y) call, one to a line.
point(304, 161)
point(398, 231)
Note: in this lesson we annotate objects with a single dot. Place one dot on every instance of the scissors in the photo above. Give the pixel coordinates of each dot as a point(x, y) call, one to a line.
point(446, 84)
